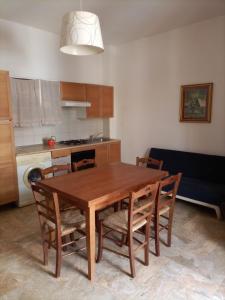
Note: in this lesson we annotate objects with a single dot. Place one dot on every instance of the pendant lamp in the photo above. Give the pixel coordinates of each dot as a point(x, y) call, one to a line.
point(81, 34)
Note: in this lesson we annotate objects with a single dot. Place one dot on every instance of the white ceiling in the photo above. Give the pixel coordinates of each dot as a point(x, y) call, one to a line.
point(121, 20)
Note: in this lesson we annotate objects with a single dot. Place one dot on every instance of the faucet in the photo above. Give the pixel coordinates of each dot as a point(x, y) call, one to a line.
point(92, 137)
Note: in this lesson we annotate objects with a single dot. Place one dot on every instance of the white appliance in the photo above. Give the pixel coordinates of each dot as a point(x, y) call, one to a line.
point(28, 169)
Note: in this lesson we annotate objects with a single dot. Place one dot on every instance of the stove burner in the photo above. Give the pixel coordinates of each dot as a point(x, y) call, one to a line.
point(74, 142)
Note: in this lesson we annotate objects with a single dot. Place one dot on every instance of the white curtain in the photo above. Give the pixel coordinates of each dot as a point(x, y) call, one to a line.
point(50, 102)
point(35, 102)
point(26, 102)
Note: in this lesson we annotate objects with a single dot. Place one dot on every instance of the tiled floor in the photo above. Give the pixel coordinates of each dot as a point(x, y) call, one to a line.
point(193, 268)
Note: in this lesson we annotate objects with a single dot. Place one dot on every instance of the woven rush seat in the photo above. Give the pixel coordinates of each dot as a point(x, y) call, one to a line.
point(71, 220)
point(119, 221)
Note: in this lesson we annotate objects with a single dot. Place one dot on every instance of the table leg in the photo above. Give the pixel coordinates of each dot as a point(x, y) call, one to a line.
point(90, 239)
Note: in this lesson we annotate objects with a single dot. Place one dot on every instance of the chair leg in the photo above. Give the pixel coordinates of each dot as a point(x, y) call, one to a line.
point(156, 228)
point(50, 238)
point(97, 221)
point(116, 206)
point(131, 255)
point(170, 222)
point(45, 252)
point(123, 240)
point(146, 249)
point(64, 240)
point(72, 238)
point(58, 259)
point(100, 241)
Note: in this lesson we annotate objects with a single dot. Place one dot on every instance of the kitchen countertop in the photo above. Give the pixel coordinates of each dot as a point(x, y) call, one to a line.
point(40, 148)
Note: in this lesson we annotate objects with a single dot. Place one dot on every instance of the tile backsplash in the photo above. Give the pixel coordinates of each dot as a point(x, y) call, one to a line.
point(70, 128)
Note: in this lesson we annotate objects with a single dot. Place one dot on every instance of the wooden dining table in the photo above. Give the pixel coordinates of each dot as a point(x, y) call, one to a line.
point(96, 188)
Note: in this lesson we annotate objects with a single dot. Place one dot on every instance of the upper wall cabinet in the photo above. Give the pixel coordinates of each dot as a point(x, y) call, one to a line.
point(5, 109)
point(107, 101)
point(73, 91)
point(93, 94)
point(100, 97)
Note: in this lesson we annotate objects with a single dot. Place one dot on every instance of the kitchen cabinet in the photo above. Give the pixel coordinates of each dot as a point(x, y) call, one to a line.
point(104, 152)
point(100, 97)
point(5, 105)
point(101, 154)
point(8, 183)
point(93, 94)
point(72, 91)
point(6, 142)
point(61, 153)
point(114, 153)
point(8, 173)
point(107, 101)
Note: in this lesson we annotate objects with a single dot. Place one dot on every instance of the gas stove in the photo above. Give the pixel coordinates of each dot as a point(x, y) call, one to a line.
point(74, 142)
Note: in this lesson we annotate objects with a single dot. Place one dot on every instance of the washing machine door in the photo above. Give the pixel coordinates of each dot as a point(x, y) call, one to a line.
point(32, 174)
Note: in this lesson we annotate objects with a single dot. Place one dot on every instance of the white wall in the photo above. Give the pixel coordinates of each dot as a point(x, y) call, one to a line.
point(32, 53)
point(148, 74)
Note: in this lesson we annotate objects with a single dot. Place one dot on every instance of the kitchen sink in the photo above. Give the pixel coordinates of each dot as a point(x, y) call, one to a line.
point(100, 140)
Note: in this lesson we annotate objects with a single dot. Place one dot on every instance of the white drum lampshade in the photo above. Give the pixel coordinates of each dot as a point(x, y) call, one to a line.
point(81, 34)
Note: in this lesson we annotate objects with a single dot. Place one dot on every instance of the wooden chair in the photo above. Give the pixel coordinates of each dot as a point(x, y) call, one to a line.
point(83, 164)
point(144, 162)
point(51, 222)
point(58, 170)
point(127, 221)
point(164, 208)
point(55, 170)
point(149, 162)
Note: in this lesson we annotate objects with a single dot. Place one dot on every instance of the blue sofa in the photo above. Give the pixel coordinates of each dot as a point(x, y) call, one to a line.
point(203, 179)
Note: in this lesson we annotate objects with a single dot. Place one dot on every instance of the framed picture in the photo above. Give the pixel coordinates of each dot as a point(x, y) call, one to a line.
point(196, 102)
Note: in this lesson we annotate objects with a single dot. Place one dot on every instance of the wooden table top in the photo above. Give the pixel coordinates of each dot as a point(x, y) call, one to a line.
point(99, 184)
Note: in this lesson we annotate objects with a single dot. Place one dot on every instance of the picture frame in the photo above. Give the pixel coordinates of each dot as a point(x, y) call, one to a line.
point(196, 103)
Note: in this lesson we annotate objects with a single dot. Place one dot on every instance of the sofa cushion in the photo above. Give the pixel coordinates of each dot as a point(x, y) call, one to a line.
point(203, 191)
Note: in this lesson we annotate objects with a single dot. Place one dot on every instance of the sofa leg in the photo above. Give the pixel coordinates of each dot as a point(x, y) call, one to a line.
point(218, 213)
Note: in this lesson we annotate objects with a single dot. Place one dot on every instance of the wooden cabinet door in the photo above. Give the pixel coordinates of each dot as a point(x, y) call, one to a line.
point(107, 101)
point(8, 174)
point(114, 152)
point(8, 183)
point(7, 152)
point(72, 91)
point(93, 95)
point(5, 101)
point(101, 154)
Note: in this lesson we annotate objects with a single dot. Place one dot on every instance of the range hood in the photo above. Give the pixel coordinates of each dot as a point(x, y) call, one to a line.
point(75, 103)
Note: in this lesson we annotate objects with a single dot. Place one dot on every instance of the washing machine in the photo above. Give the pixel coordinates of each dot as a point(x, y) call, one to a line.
point(28, 169)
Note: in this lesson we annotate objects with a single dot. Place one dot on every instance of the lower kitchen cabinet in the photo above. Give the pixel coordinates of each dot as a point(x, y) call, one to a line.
point(101, 154)
point(8, 183)
point(114, 153)
point(104, 152)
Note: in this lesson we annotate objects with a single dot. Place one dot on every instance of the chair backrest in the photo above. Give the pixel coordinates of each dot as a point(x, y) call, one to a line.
point(83, 164)
point(141, 212)
point(167, 191)
point(54, 170)
point(149, 162)
point(48, 210)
